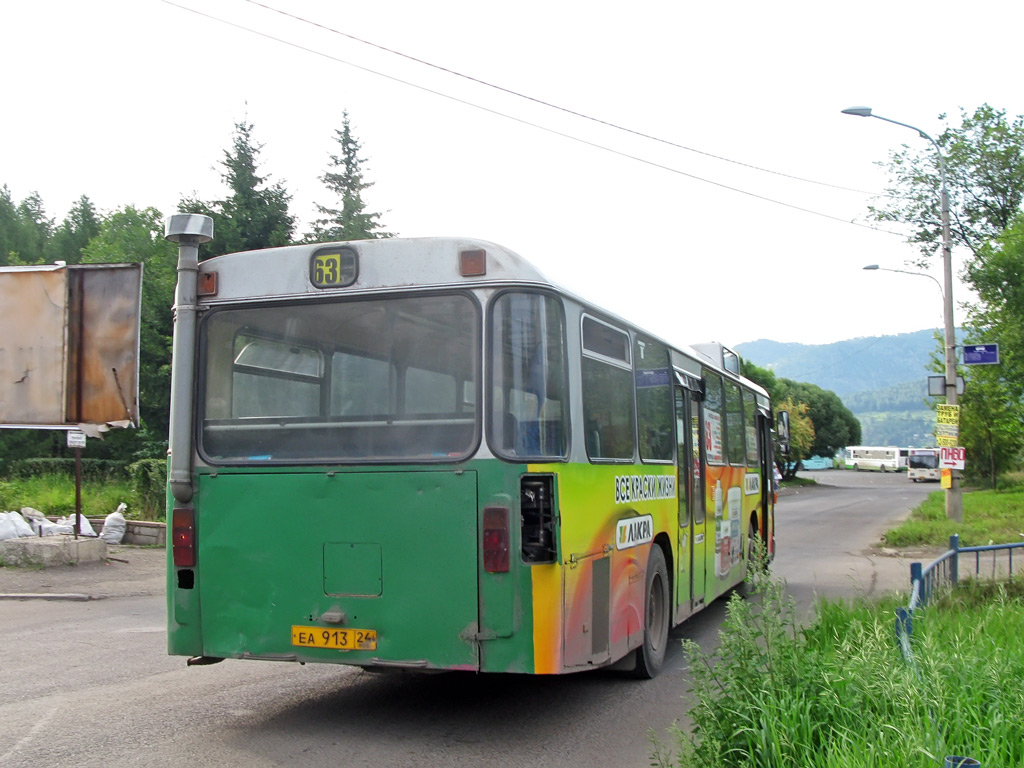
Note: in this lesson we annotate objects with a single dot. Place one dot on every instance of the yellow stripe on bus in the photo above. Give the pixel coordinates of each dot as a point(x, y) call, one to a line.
point(547, 619)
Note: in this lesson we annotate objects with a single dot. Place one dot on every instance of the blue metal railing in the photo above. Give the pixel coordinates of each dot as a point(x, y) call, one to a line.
point(945, 569)
point(925, 583)
point(942, 572)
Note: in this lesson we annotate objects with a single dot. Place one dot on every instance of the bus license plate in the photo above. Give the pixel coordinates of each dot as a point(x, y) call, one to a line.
point(338, 639)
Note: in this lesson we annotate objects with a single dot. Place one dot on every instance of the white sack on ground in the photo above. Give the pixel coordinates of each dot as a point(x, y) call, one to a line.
point(114, 525)
point(13, 526)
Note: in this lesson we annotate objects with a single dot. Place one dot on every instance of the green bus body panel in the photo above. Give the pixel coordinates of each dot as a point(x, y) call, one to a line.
point(394, 552)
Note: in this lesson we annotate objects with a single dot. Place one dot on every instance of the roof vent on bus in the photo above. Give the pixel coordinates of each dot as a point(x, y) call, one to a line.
point(473, 263)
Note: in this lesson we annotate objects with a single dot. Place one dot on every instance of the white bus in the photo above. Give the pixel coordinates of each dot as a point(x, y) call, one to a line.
point(923, 465)
point(884, 458)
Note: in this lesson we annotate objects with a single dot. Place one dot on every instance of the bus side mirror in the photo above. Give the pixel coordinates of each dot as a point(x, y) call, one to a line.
point(782, 430)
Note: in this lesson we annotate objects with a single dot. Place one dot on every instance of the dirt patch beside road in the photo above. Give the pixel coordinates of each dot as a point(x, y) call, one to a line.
point(129, 571)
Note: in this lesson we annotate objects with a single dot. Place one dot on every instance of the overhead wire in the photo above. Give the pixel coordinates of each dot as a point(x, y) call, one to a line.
point(550, 105)
point(529, 123)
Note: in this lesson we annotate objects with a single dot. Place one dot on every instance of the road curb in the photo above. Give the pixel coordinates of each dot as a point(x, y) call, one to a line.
point(67, 596)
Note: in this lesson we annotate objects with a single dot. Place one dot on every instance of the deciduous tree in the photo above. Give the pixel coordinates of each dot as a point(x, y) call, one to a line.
point(70, 239)
point(992, 408)
point(137, 235)
point(801, 435)
point(984, 175)
point(25, 229)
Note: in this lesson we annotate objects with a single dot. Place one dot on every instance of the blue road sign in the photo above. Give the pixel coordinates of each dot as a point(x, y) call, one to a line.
point(981, 354)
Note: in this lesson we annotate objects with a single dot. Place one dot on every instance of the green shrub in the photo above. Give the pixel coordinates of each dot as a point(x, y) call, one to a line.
point(149, 484)
point(93, 470)
point(54, 495)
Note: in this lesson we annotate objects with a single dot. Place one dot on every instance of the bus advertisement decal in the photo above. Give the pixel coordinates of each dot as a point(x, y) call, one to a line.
point(634, 531)
point(630, 489)
point(751, 484)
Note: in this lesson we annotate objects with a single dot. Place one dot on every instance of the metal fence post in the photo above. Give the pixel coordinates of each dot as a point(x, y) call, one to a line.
point(915, 577)
point(954, 567)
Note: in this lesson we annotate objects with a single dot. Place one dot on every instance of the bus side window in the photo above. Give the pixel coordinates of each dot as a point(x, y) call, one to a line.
point(653, 400)
point(528, 376)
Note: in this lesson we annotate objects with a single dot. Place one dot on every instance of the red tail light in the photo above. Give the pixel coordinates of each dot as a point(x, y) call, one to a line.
point(496, 539)
point(183, 536)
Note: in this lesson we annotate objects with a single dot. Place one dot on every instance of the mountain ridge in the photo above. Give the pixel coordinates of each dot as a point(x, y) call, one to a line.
point(852, 366)
point(881, 379)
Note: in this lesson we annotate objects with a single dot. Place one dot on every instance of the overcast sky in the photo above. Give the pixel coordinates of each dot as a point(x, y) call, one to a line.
point(134, 101)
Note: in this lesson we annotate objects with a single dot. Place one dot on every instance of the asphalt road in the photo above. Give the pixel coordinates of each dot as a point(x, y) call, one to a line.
point(90, 684)
point(829, 535)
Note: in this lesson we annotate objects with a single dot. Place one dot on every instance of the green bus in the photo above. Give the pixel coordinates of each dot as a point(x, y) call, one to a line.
point(421, 454)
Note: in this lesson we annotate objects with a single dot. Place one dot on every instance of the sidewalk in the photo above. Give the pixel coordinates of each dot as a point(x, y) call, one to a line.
point(129, 571)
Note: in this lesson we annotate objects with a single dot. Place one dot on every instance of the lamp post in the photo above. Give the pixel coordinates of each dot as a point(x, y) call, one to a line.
point(954, 500)
point(908, 272)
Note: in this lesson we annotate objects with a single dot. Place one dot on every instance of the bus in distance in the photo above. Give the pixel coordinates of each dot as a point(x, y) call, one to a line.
point(923, 465)
point(875, 458)
point(421, 454)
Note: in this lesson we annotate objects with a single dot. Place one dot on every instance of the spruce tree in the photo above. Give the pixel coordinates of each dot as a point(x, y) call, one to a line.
point(255, 214)
point(346, 181)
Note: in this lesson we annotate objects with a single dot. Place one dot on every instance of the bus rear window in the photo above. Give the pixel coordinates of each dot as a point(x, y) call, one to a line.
point(392, 379)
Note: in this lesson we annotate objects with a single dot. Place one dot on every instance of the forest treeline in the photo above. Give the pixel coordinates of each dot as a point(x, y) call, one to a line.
point(254, 213)
point(983, 164)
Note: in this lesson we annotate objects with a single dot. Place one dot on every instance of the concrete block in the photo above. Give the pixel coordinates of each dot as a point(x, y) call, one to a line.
point(48, 551)
point(140, 532)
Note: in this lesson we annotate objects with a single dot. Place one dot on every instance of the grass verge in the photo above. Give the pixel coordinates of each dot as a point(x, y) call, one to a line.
point(54, 495)
point(839, 694)
point(996, 516)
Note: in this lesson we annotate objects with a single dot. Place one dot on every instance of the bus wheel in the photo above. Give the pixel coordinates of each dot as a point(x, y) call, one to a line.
point(651, 655)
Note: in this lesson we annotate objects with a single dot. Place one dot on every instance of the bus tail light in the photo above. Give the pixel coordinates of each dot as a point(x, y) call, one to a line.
point(473, 263)
point(183, 536)
point(536, 503)
point(496, 539)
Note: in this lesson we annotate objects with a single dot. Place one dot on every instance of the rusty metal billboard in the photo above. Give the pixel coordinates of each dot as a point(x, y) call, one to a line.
point(69, 350)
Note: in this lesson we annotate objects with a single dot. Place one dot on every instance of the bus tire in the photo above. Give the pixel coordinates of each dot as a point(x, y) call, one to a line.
point(650, 656)
point(752, 538)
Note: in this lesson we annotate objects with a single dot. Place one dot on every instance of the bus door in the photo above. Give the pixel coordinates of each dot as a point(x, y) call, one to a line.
point(767, 454)
point(691, 567)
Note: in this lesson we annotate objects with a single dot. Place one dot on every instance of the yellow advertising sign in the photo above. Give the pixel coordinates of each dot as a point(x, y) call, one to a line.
point(946, 478)
point(947, 427)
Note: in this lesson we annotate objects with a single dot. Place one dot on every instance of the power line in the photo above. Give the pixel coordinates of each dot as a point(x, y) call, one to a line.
point(523, 121)
point(548, 104)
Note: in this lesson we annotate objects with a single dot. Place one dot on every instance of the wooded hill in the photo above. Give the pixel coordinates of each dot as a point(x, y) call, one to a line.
point(881, 379)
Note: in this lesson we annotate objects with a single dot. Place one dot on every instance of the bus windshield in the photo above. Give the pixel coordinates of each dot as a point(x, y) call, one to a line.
point(359, 380)
point(923, 459)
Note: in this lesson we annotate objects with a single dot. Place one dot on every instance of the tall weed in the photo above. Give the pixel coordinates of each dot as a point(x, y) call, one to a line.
point(839, 693)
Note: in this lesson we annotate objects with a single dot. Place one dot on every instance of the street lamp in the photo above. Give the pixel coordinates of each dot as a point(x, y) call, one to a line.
point(908, 272)
point(954, 501)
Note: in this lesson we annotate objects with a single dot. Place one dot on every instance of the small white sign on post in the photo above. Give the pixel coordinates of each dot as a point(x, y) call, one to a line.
point(952, 457)
point(76, 438)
